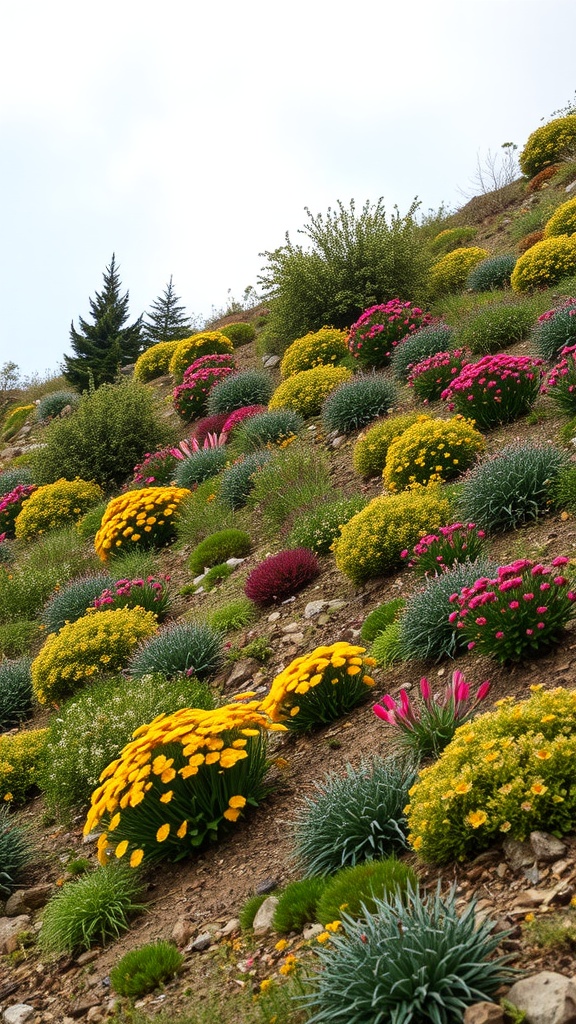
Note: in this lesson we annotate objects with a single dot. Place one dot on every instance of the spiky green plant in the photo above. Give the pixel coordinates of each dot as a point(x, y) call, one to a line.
point(93, 908)
point(297, 904)
point(357, 402)
point(15, 851)
point(355, 889)
point(183, 648)
point(144, 969)
point(15, 692)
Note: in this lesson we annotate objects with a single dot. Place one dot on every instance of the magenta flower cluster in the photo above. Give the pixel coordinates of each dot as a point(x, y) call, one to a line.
point(10, 505)
point(191, 396)
point(379, 329)
point(239, 415)
point(517, 613)
point(561, 381)
point(427, 724)
point(150, 594)
point(432, 375)
point(210, 362)
point(437, 552)
point(567, 304)
point(496, 389)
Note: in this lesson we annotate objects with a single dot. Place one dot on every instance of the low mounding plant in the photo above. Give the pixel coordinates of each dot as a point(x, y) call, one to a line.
point(491, 273)
point(496, 326)
point(210, 425)
point(145, 517)
point(297, 904)
point(279, 576)
point(371, 543)
point(319, 529)
point(450, 273)
point(14, 477)
point(15, 420)
point(517, 613)
point(15, 852)
point(450, 239)
point(234, 615)
point(355, 889)
point(432, 451)
point(91, 909)
point(18, 638)
point(248, 387)
point(183, 648)
point(144, 969)
point(52, 405)
point(217, 362)
point(239, 333)
point(15, 694)
point(424, 726)
point(294, 481)
point(380, 328)
point(510, 487)
point(422, 957)
point(430, 377)
point(267, 429)
point(200, 466)
point(381, 617)
point(560, 383)
point(548, 144)
point(53, 505)
point(326, 347)
point(386, 648)
point(205, 768)
point(496, 389)
point(545, 263)
point(150, 594)
point(440, 551)
point(371, 448)
point(507, 773)
point(306, 391)
point(71, 601)
point(357, 402)
point(425, 342)
point(156, 468)
point(562, 221)
point(21, 758)
point(11, 506)
point(319, 687)
point(189, 349)
point(529, 240)
point(154, 361)
point(190, 398)
point(218, 547)
point(555, 330)
point(237, 480)
point(353, 817)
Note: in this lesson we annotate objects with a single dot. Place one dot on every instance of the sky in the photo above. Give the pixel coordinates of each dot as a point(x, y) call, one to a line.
point(188, 137)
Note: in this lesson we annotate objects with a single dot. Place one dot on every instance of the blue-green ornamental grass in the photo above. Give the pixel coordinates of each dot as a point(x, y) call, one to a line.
point(91, 909)
point(11, 478)
point(238, 480)
point(71, 601)
point(416, 347)
point(555, 329)
point(184, 648)
point(52, 405)
point(266, 430)
point(200, 466)
point(357, 402)
point(15, 851)
point(15, 692)
point(248, 387)
point(491, 273)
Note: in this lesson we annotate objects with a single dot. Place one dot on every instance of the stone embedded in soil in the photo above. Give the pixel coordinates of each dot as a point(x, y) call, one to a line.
point(547, 847)
point(274, 616)
point(262, 923)
point(313, 608)
point(484, 1013)
point(518, 855)
point(201, 942)
point(545, 998)
point(310, 931)
point(10, 928)
point(291, 627)
point(292, 638)
point(266, 885)
point(24, 900)
point(19, 1013)
point(241, 672)
point(231, 926)
point(183, 931)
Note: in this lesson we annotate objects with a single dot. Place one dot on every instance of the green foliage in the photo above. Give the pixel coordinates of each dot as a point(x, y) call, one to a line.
point(234, 615)
point(450, 239)
point(381, 617)
point(18, 638)
point(297, 904)
point(78, 866)
point(357, 402)
point(92, 909)
point(51, 405)
point(432, 450)
point(326, 347)
point(21, 757)
point(202, 513)
point(267, 429)
point(239, 333)
point(167, 321)
point(491, 273)
point(144, 969)
point(555, 330)
point(496, 327)
point(319, 529)
point(371, 448)
point(11, 478)
point(15, 420)
point(387, 648)
point(90, 523)
point(353, 817)
point(200, 466)
point(238, 480)
point(545, 263)
point(354, 890)
point(207, 343)
point(248, 387)
point(556, 932)
point(294, 481)
point(154, 361)
point(15, 692)
point(353, 261)
point(51, 506)
point(563, 489)
point(548, 144)
point(249, 910)
point(109, 433)
point(562, 221)
point(183, 648)
point(510, 487)
point(304, 392)
point(217, 548)
point(424, 958)
point(216, 575)
point(425, 342)
point(15, 852)
point(450, 273)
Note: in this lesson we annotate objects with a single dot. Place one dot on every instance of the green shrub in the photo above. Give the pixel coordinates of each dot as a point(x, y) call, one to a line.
point(15, 420)
point(491, 273)
point(18, 476)
point(18, 638)
point(510, 487)
point(202, 513)
point(111, 430)
point(49, 507)
point(450, 273)
point(357, 402)
point(317, 530)
point(200, 466)
point(267, 429)
point(496, 327)
point(91, 909)
point(326, 347)
point(371, 448)
point(548, 144)
point(234, 615)
point(248, 387)
point(563, 489)
point(371, 543)
point(89, 524)
point(237, 481)
point(21, 758)
point(353, 817)
point(450, 239)
point(15, 852)
point(154, 361)
point(47, 564)
point(52, 405)
point(15, 692)
point(144, 969)
point(183, 648)
point(249, 910)
point(73, 600)
point(304, 392)
point(294, 481)
point(555, 329)
point(239, 333)
point(217, 548)
point(207, 343)
point(386, 648)
point(381, 617)
point(545, 263)
point(425, 342)
point(216, 575)
point(432, 451)
point(355, 890)
point(297, 904)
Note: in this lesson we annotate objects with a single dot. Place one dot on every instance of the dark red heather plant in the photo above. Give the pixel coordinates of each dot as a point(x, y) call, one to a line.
point(281, 575)
point(209, 425)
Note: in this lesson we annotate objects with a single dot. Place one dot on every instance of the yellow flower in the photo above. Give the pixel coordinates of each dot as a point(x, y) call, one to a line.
point(529, 917)
point(462, 787)
point(323, 937)
point(182, 830)
point(237, 801)
point(265, 984)
point(136, 858)
point(538, 788)
point(166, 797)
point(121, 848)
point(289, 964)
point(163, 833)
point(333, 926)
point(476, 818)
point(281, 945)
point(505, 826)
point(543, 754)
point(231, 814)
point(417, 843)
point(8, 797)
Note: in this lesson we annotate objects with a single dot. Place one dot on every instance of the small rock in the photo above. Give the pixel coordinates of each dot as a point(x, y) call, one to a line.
point(560, 867)
point(532, 874)
point(95, 1013)
point(233, 925)
point(570, 187)
point(274, 617)
point(547, 847)
point(292, 638)
point(338, 442)
point(291, 627)
point(266, 885)
point(501, 869)
point(270, 361)
point(262, 923)
point(182, 932)
point(323, 619)
point(560, 896)
point(484, 1013)
point(201, 942)
point(531, 897)
point(24, 900)
point(546, 998)
point(241, 672)
point(233, 562)
point(19, 1013)
point(92, 837)
point(310, 931)
point(313, 608)
point(518, 855)
point(81, 1007)
point(87, 957)
point(10, 928)
point(335, 606)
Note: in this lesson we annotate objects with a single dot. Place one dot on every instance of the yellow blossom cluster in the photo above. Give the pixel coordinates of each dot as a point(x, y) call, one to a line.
point(449, 273)
point(207, 343)
point(318, 348)
point(20, 758)
point(154, 361)
point(432, 450)
point(548, 144)
point(545, 263)
point(371, 448)
point(53, 505)
point(305, 391)
point(144, 517)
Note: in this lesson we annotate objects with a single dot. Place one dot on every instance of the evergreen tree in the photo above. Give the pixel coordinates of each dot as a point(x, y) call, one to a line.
point(168, 320)
point(103, 347)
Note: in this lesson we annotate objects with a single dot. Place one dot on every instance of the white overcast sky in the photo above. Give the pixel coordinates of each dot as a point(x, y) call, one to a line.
point(187, 136)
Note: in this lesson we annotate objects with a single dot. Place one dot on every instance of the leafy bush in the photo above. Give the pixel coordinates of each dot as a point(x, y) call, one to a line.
point(497, 389)
point(218, 547)
point(234, 615)
point(326, 347)
point(319, 687)
point(563, 489)
point(209, 425)
point(215, 575)
point(15, 851)
point(506, 773)
point(355, 889)
point(279, 576)
point(562, 221)
point(431, 376)
point(154, 361)
point(386, 648)
point(200, 466)
point(91, 909)
point(555, 329)
point(426, 630)
point(353, 817)
point(183, 648)
point(70, 602)
point(425, 342)
point(239, 333)
point(18, 638)
point(15, 420)
point(92, 728)
point(379, 329)
point(49, 507)
point(237, 480)
point(111, 430)
point(189, 349)
point(371, 448)
point(357, 402)
point(145, 517)
point(304, 392)
point(496, 327)
point(431, 451)
point(21, 757)
point(94, 644)
point(450, 239)
point(491, 273)
point(297, 904)
point(274, 427)
point(545, 263)
point(425, 958)
point(144, 969)
point(248, 387)
point(437, 552)
point(294, 481)
point(15, 693)
point(381, 617)
point(319, 529)
point(451, 272)
point(548, 144)
point(11, 506)
point(370, 544)
point(510, 487)
point(191, 397)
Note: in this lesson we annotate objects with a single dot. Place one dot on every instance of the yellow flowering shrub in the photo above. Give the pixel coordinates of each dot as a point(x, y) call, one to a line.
point(370, 544)
point(207, 343)
point(545, 263)
point(318, 348)
point(371, 448)
point(15, 420)
point(432, 450)
point(562, 221)
point(94, 644)
point(320, 686)
point(449, 274)
point(548, 144)
point(20, 762)
point(181, 778)
point(145, 517)
point(53, 505)
point(304, 392)
point(506, 773)
point(154, 362)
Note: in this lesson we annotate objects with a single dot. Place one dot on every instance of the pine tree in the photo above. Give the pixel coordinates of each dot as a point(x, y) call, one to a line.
point(103, 347)
point(168, 320)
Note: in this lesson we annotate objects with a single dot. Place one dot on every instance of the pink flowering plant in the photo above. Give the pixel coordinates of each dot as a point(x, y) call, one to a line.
point(156, 468)
point(560, 383)
point(431, 376)
point(425, 725)
point(497, 389)
point(191, 396)
point(518, 613)
point(211, 362)
point(150, 594)
point(438, 552)
point(239, 415)
point(379, 329)
point(555, 329)
point(10, 506)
